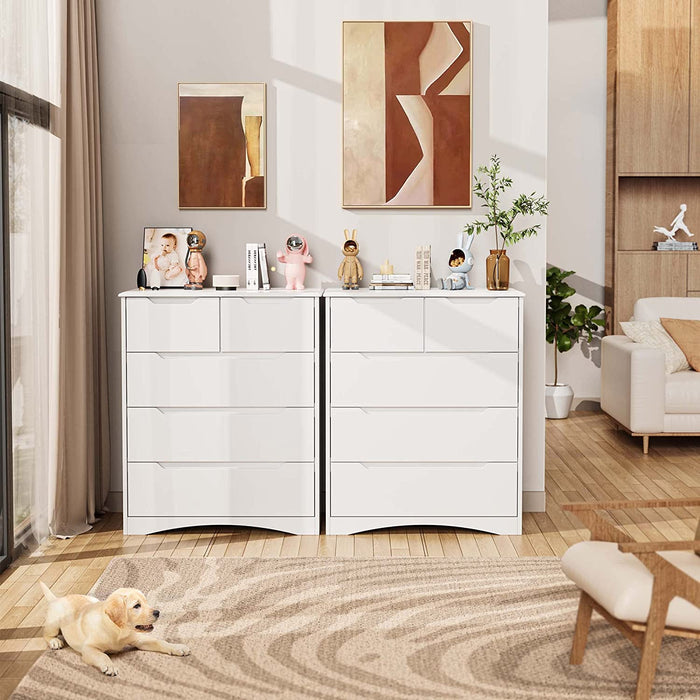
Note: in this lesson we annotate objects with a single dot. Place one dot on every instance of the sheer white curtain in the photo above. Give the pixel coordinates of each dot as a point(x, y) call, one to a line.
point(30, 59)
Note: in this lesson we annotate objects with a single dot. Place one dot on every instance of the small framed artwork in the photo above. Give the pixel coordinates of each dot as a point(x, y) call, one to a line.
point(407, 114)
point(222, 149)
point(164, 252)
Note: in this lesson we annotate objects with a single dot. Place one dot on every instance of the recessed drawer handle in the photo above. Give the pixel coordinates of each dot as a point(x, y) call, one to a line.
point(232, 411)
point(269, 300)
point(231, 355)
point(474, 300)
point(419, 409)
point(173, 300)
point(266, 466)
point(380, 300)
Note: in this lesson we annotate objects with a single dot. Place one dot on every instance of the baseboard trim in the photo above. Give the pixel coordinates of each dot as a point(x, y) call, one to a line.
point(115, 502)
point(534, 501)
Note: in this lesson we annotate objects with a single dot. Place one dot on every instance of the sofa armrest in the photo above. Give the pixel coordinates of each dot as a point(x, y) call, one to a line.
point(633, 384)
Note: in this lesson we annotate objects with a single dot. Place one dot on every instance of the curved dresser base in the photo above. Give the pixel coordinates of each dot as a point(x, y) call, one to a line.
point(150, 525)
point(494, 525)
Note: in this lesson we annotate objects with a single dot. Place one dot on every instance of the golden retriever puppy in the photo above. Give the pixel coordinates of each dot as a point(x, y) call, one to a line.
point(95, 628)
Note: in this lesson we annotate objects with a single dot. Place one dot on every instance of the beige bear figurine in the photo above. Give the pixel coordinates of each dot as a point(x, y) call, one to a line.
point(350, 270)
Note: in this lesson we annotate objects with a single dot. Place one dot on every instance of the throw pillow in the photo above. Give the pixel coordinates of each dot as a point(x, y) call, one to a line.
point(686, 333)
point(652, 333)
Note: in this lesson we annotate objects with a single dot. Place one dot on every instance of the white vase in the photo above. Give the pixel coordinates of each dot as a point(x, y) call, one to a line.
point(557, 400)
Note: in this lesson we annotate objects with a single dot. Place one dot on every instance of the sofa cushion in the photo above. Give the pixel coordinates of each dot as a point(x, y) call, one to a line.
point(683, 392)
point(653, 335)
point(653, 308)
point(622, 584)
point(686, 334)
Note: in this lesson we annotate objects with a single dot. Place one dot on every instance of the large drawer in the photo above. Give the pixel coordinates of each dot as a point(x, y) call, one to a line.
point(220, 489)
point(424, 490)
point(471, 324)
point(424, 379)
point(219, 380)
point(424, 435)
point(362, 324)
point(267, 324)
point(172, 324)
point(220, 435)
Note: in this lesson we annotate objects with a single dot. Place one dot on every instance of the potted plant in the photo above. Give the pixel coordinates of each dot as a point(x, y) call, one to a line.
point(502, 220)
point(565, 326)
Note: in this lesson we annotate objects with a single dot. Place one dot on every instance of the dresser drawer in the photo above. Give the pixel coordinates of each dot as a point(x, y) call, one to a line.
point(253, 490)
point(424, 379)
point(223, 435)
point(267, 324)
point(219, 380)
point(172, 324)
point(362, 324)
point(424, 490)
point(424, 435)
point(471, 324)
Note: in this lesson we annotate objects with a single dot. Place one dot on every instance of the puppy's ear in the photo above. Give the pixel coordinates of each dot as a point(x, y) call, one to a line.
point(115, 609)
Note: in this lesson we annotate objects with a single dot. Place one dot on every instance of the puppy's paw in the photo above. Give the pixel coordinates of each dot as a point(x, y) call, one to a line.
point(108, 670)
point(179, 650)
point(56, 643)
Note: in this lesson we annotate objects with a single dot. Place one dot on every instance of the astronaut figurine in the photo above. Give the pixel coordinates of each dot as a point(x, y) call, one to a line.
point(461, 262)
point(350, 270)
point(295, 257)
point(196, 268)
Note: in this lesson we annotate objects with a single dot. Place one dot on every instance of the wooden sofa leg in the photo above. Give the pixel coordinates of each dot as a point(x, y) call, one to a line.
point(583, 623)
point(645, 444)
point(652, 644)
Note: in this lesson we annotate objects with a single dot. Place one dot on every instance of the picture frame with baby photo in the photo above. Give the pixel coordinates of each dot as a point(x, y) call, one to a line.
point(164, 252)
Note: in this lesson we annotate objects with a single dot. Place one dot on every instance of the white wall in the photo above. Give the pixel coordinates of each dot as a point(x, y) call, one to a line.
point(576, 170)
point(147, 46)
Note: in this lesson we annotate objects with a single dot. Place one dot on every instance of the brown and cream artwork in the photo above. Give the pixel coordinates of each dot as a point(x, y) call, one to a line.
point(221, 160)
point(407, 114)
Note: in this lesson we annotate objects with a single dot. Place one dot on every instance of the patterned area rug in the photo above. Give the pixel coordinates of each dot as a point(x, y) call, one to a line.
point(351, 628)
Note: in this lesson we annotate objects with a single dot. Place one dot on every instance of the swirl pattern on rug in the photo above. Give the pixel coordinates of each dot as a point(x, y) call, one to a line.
point(342, 629)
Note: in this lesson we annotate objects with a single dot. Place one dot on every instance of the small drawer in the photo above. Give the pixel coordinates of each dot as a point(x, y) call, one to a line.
point(267, 325)
point(424, 490)
point(254, 490)
point(223, 435)
point(363, 324)
point(424, 379)
point(220, 380)
point(172, 324)
point(424, 435)
point(471, 324)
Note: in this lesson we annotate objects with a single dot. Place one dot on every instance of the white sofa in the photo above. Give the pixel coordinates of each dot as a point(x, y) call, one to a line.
point(636, 392)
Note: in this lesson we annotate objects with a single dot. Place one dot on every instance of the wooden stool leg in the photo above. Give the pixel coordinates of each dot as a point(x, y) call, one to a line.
point(645, 444)
point(652, 643)
point(583, 623)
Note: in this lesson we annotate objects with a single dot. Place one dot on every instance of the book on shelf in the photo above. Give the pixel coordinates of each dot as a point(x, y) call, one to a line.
point(262, 264)
point(251, 266)
point(391, 287)
point(422, 267)
point(675, 245)
point(401, 278)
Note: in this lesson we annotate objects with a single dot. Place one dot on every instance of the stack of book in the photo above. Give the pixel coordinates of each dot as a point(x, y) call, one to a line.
point(675, 245)
point(400, 282)
point(257, 275)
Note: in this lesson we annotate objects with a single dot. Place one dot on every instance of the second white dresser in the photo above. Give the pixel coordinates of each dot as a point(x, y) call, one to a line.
point(423, 410)
point(220, 419)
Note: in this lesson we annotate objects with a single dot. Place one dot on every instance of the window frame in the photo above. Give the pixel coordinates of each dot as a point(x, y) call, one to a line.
point(37, 111)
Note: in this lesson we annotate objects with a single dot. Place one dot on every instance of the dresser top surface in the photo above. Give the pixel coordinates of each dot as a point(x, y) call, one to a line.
point(165, 292)
point(446, 293)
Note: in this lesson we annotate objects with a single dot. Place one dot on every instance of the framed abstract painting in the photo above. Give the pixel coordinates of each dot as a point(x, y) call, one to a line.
point(221, 139)
point(407, 121)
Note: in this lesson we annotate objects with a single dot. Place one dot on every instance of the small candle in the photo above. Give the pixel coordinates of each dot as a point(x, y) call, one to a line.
point(386, 269)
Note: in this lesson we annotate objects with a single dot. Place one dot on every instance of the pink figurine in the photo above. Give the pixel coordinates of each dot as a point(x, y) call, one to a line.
point(296, 258)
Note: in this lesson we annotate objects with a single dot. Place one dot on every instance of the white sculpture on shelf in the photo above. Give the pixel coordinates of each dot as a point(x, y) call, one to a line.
point(676, 224)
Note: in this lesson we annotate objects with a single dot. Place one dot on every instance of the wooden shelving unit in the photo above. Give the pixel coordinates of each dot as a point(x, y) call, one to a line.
point(653, 149)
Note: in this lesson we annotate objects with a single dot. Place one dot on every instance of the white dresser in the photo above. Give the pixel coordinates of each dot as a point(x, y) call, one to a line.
point(423, 409)
point(220, 409)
